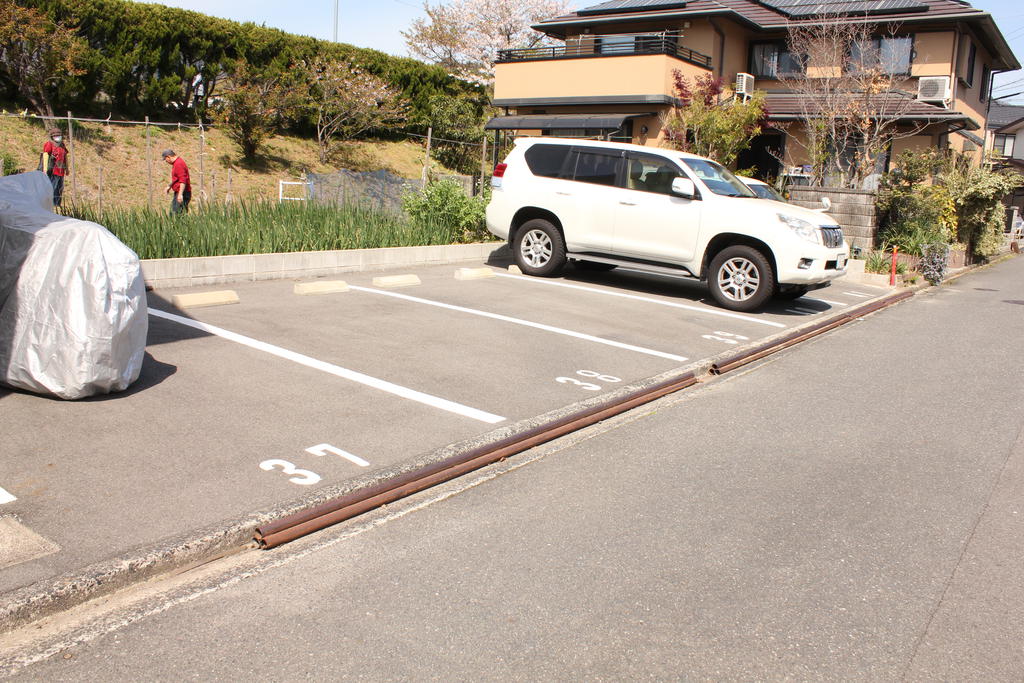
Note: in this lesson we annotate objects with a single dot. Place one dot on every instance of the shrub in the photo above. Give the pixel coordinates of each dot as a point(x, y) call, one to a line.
point(962, 203)
point(443, 205)
point(911, 214)
point(10, 164)
point(933, 262)
point(977, 193)
point(881, 262)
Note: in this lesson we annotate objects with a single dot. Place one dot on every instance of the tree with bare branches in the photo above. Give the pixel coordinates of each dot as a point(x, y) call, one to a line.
point(850, 90)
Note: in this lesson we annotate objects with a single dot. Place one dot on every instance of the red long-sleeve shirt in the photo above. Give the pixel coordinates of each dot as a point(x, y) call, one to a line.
point(179, 175)
point(60, 157)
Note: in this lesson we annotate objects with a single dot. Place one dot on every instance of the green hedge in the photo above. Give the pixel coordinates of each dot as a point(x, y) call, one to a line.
point(165, 62)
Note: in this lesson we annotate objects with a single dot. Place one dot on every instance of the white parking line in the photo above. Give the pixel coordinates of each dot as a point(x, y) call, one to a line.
point(526, 323)
point(335, 370)
point(697, 309)
point(858, 294)
point(798, 309)
point(826, 301)
point(6, 497)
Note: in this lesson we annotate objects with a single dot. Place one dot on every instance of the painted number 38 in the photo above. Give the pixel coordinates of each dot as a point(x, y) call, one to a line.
point(590, 374)
point(725, 337)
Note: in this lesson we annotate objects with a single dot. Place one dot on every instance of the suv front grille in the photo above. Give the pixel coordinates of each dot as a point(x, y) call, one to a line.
point(832, 237)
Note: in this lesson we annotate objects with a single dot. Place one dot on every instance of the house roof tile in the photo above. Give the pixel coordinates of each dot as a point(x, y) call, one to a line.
point(1000, 115)
point(766, 18)
point(783, 106)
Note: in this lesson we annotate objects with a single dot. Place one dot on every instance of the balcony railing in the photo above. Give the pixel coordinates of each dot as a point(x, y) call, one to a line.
point(645, 45)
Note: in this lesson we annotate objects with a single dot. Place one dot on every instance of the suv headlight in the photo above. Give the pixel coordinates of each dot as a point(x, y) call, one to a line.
point(805, 229)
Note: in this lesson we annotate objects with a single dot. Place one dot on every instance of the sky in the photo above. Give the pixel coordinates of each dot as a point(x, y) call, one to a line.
point(378, 24)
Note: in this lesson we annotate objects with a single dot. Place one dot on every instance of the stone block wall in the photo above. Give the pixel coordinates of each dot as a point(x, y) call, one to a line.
point(854, 210)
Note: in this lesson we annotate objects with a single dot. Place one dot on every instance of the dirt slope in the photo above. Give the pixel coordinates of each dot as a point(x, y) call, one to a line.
point(113, 158)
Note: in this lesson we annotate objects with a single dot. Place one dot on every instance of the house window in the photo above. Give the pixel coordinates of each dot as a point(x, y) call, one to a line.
point(771, 60)
point(1003, 145)
point(891, 55)
point(616, 45)
point(623, 134)
point(986, 80)
point(970, 55)
point(628, 44)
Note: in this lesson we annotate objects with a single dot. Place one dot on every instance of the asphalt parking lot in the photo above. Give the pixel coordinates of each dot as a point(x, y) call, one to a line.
point(243, 406)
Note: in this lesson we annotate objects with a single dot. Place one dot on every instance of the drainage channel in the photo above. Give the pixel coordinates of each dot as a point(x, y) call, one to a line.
point(340, 509)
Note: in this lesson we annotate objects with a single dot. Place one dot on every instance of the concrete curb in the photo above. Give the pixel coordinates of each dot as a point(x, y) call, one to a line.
point(189, 549)
point(214, 270)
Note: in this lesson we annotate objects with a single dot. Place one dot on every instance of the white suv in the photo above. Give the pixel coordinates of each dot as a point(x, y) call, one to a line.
point(607, 204)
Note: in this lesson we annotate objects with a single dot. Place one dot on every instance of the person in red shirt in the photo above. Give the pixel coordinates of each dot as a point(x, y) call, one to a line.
point(180, 185)
point(54, 163)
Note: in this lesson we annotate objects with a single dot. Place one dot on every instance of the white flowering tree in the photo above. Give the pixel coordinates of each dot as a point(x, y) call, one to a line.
point(464, 36)
point(346, 101)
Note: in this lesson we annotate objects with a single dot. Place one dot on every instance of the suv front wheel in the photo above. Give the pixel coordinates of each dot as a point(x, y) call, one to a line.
point(539, 248)
point(741, 278)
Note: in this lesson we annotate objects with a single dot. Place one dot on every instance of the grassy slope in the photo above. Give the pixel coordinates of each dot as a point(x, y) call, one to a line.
point(120, 150)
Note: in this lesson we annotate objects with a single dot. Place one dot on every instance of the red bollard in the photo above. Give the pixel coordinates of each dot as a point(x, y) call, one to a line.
point(892, 273)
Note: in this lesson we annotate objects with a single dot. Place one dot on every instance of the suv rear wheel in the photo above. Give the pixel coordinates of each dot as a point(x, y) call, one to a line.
point(741, 278)
point(539, 248)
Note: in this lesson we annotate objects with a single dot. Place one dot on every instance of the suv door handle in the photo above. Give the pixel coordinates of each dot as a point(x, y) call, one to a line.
point(627, 203)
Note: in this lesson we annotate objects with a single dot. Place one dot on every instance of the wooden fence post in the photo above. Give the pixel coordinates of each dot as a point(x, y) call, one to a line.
point(202, 165)
point(483, 163)
point(101, 189)
point(426, 160)
point(149, 166)
point(71, 160)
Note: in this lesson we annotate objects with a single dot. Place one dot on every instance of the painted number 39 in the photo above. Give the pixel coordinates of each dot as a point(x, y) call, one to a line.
point(726, 337)
point(590, 374)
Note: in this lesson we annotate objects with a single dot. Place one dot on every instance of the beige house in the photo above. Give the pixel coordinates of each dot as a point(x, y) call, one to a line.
point(611, 76)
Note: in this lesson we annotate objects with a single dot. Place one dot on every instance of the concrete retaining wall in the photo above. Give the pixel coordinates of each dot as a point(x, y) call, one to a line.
point(854, 210)
point(201, 271)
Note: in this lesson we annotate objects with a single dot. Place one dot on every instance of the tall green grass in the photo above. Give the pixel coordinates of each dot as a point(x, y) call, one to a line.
point(263, 228)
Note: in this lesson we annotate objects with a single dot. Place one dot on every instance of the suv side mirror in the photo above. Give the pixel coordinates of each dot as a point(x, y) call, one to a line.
point(684, 187)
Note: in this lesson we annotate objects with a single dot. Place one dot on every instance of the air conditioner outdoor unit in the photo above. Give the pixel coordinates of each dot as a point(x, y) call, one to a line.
point(933, 89)
point(744, 84)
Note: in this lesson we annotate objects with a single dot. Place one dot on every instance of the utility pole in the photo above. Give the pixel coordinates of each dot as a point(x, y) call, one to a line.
point(335, 20)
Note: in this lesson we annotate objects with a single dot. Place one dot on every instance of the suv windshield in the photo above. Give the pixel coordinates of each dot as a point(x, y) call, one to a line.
point(718, 179)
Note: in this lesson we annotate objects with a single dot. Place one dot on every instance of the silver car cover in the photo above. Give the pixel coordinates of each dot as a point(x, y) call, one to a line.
point(73, 316)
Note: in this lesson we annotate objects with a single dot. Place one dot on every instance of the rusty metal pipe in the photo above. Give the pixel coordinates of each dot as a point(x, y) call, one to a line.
point(299, 524)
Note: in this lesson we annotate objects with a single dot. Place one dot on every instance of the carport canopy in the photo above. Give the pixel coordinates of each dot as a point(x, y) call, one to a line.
point(553, 121)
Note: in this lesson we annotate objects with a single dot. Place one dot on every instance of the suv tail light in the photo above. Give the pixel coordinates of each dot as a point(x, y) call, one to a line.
point(499, 173)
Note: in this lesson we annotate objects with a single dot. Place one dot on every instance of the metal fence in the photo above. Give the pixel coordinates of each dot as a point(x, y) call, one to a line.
point(108, 158)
